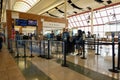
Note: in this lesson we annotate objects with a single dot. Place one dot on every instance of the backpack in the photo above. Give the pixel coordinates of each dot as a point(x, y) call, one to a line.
point(79, 40)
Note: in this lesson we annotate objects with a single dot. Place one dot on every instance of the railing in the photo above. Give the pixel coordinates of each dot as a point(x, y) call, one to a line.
point(48, 49)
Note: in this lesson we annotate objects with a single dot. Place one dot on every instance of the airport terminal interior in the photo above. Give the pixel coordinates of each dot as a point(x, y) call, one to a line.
point(59, 39)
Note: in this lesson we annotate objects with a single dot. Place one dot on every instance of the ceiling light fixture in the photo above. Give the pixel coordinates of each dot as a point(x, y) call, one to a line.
point(59, 10)
point(99, 1)
point(109, 1)
point(51, 14)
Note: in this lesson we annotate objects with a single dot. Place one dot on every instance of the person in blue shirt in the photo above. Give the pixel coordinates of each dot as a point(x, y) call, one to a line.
point(65, 38)
point(52, 35)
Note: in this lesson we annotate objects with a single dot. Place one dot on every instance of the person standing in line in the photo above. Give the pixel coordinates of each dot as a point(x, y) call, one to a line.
point(52, 35)
point(1, 41)
point(79, 42)
point(65, 38)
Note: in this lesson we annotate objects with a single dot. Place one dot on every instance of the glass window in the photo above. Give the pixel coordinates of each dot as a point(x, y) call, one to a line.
point(78, 17)
point(70, 25)
point(94, 21)
point(113, 27)
point(74, 25)
point(95, 29)
point(85, 23)
point(100, 28)
point(102, 16)
point(103, 13)
point(117, 10)
point(99, 21)
point(97, 14)
point(71, 19)
point(77, 23)
point(118, 17)
point(87, 16)
point(107, 28)
point(105, 19)
point(82, 17)
point(81, 23)
point(75, 19)
point(118, 27)
point(110, 12)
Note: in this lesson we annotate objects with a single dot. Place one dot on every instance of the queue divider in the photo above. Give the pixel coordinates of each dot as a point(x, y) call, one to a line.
point(97, 47)
point(113, 56)
point(16, 42)
point(83, 57)
point(118, 59)
point(31, 55)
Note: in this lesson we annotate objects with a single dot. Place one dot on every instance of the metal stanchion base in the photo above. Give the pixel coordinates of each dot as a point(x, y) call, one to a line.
point(115, 71)
point(64, 65)
point(48, 58)
point(42, 56)
point(17, 56)
point(83, 58)
point(39, 56)
point(97, 54)
point(11, 51)
point(31, 56)
point(117, 68)
point(24, 56)
point(94, 49)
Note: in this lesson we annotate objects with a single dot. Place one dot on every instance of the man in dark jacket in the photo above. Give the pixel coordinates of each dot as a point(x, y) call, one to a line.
point(1, 40)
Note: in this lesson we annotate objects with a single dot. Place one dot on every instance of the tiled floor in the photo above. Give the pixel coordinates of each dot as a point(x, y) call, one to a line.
point(95, 67)
point(8, 68)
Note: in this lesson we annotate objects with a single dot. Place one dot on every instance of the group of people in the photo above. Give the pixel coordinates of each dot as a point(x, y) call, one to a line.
point(72, 43)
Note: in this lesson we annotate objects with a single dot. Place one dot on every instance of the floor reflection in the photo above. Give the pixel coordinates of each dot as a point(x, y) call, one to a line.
point(30, 71)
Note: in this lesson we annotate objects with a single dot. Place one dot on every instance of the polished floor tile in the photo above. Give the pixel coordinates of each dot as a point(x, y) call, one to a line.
point(94, 67)
point(8, 68)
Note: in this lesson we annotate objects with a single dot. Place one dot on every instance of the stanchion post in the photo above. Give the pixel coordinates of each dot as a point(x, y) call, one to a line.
point(44, 55)
point(48, 56)
point(118, 62)
point(98, 46)
point(40, 47)
point(64, 55)
point(31, 55)
point(83, 50)
point(24, 48)
point(94, 42)
point(11, 46)
point(113, 56)
point(16, 42)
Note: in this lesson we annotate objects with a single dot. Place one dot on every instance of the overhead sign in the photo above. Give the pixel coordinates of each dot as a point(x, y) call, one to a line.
point(15, 15)
point(53, 25)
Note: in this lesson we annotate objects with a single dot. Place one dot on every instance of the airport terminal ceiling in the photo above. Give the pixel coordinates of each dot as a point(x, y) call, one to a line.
point(55, 8)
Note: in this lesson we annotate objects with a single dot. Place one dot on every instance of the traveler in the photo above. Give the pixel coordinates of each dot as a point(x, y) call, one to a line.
point(1, 41)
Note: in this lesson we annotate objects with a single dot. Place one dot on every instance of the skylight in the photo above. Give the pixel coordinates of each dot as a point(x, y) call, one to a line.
point(24, 5)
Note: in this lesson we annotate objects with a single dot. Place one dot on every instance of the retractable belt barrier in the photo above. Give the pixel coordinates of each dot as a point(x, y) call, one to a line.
point(113, 55)
point(44, 49)
point(27, 46)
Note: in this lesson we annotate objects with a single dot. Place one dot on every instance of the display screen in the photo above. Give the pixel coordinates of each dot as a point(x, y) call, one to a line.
point(21, 22)
point(32, 23)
